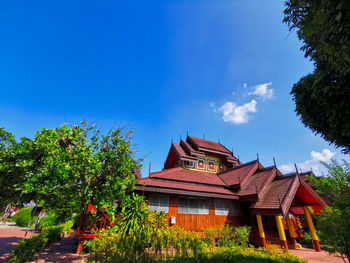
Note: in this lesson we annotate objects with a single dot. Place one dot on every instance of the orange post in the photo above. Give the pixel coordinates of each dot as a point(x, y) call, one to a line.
point(291, 231)
point(312, 229)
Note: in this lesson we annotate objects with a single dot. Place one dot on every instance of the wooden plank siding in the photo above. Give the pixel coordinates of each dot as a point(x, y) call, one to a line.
point(199, 223)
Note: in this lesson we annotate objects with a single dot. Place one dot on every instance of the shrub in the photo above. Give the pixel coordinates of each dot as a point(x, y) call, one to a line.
point(232, 236)
point(226, 237)
point(27, 248)
point(239, 254)
point(23, 216)
point(242, 235)
point(49, 220)
point(210, 234)
point(307, 239)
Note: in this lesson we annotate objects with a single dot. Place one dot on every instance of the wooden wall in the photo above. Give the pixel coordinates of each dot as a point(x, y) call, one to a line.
point(200, 222)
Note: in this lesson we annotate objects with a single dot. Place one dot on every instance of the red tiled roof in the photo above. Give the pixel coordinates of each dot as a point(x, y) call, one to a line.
point(275, 194)
point(236, 175)
point(150, 182)
point(189, 148)
point(208, 144)
point(257, 182)
point(183, 175)
point(182, 152)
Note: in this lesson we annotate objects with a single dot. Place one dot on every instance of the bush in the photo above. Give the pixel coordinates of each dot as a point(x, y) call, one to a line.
point(23, 216)
point(27, 248)
point(210, 234)
point(239, 254)
point(49, 220)
point(230, 236)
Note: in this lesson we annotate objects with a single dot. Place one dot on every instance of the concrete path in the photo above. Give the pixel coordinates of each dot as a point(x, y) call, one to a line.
point(316, 257)
point(9, 238)
point(61, 251)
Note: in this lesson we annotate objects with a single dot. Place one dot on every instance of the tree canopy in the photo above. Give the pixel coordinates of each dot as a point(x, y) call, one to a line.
point(68, 167)
point(322, 97)
point(334, 222)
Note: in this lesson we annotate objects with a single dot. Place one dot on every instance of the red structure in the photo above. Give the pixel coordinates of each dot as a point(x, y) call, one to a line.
point(203, 185)
point(90, 223)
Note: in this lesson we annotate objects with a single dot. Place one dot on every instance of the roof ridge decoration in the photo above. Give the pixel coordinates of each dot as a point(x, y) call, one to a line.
point(208, 145)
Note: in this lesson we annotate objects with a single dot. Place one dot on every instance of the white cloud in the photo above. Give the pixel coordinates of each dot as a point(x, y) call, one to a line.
point(237, 114)
point(324, 156)
point(312, 164)
point(263, 91)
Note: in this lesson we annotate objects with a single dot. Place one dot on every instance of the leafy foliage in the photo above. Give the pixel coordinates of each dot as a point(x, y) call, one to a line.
point(230, 236)
point(322, 98)
point(242, 255)
point(68, 167)
point(334, 222)
point(13, 168)
point(23, 216)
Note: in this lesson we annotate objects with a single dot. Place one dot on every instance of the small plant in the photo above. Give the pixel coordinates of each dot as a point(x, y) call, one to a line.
point(23, 216)
point(210, 234)
point(230, 236)
point(241, 234)
point(226, 237)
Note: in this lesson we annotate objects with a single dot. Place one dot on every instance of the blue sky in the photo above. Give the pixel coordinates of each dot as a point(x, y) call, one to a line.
point(223, 69)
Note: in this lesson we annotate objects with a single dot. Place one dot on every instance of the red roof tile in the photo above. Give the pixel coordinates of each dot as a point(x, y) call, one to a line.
point(182, 186)
point(182, 152)
point(257, 182)
point(202, 143)
point(189, 148)
point(275, 194)
point(183, 175)
point(236, 175)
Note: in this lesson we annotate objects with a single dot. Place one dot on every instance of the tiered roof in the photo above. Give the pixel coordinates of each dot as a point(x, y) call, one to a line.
point(193, 148)
point(266, 189)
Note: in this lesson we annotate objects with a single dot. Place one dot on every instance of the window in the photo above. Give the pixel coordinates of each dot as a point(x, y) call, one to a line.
point(193, 206)
point(227, 207)
point(159, 203)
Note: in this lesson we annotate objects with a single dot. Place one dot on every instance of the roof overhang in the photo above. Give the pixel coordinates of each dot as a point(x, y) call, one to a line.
point(184, 192)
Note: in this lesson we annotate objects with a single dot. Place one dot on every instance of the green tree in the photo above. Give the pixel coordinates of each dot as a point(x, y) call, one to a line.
point(14, 165)
point(334, 222)
point(68, 167)
point(322, 97)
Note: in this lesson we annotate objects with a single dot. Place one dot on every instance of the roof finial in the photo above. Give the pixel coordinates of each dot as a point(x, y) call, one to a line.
point(257, 156)
point(232, 150)
point(172, 140)
point(149, 169)
point(219, 140)
point(296, 168)
point(187, 132)
point(238, 158)
point(274, 161)
point(180, 138)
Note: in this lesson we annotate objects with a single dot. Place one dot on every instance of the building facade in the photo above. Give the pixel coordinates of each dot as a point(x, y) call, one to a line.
point(203, 185)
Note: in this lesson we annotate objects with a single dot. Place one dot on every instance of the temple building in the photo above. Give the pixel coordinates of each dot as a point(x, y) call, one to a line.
point(203, 185)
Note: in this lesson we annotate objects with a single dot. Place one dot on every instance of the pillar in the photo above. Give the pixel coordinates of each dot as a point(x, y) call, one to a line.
point(312, 229)
point(281, 232)
point(291, 231)
point(261, 230)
